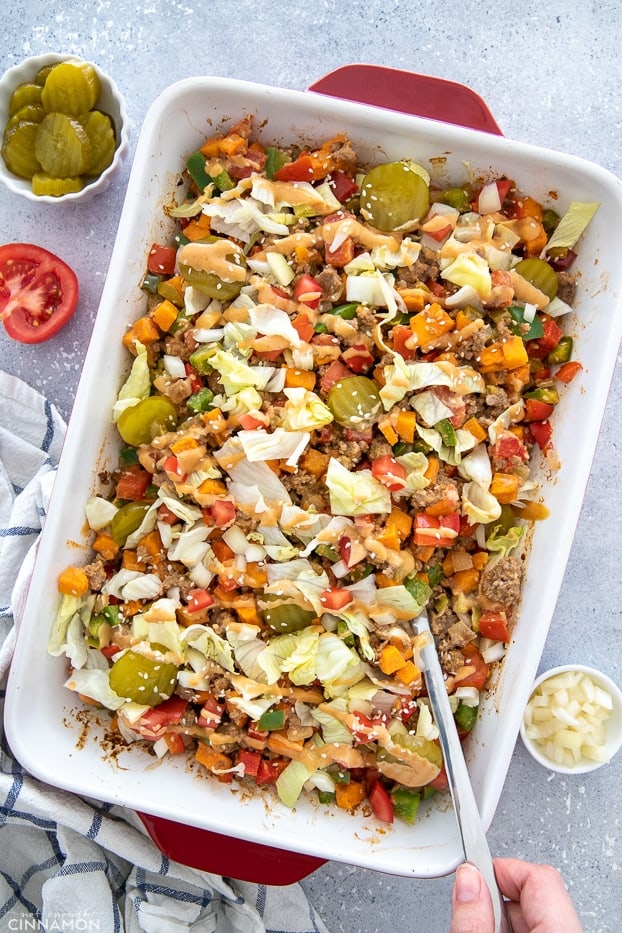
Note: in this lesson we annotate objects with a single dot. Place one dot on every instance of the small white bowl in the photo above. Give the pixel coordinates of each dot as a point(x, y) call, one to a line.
point(613, 725)
point(110, 101)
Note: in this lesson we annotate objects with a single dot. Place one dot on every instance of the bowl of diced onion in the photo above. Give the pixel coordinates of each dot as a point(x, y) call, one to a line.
point(573, 720)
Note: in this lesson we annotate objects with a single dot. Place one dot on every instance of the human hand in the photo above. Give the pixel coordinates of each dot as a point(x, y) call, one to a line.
point(537, 899)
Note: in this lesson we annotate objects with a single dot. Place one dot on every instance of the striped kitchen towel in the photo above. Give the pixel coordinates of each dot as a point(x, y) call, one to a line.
point(66, 862)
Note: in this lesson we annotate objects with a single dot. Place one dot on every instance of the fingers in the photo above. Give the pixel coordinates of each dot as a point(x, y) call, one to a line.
point(541, 893)
point(472, 905)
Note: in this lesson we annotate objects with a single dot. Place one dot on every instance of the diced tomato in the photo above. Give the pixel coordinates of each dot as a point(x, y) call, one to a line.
point(133, 483)
point(508, 445)
point(175, 743)
point(440, 782)
point(542, 432)
point(494, 624)
point(250, 760)
point(381, 803)
point(336, 598)
point(254, 732)
point(228, 584)
point(167, 516)
point(221, 512)
point(437, 288)
point(199, 599)
point(196, 383)
point(342, 255)
point(251, 422)
point(268, 355)
point(152, 724)
point(303, 327)
point(110, 650)
point(358, 358)
point(388, 471)
point(478, 677)
point(439, 532)
point(343, 186)
point(568, 371)
point(38, 292)
point(307, 290)
point(333, 374)
point(440, 233)
point(542, 346)
point(268, 771)
point(365, 727)
point(161, 259)
point(172, 466)
point(400, 334)
point(211, 713)
point(302, 169)
point(408, 707)
point(504, 186)
point(537, 410)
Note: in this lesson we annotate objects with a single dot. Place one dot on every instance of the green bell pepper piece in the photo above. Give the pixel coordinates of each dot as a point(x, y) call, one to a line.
point(405, 803)
point(275, 159)
point(466, 717)
point(562, 353)
point(201, 400)
point(272, 719)
point(196, 169)
point(347, 311)
point(151, 282)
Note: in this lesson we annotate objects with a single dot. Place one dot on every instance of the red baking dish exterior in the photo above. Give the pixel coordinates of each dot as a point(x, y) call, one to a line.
point(408, 92)
point(423, 96)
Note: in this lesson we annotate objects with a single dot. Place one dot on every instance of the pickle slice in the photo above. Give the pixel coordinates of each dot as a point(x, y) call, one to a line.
point(25, 93)
point(18, 150)
point(71, 88)
point(100, 132)
point(62, 146)
point(55, 187)
point(29, 113)
point(42, 73)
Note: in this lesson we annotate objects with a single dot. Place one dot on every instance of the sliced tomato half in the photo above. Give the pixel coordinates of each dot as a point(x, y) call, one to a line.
point(38, 292)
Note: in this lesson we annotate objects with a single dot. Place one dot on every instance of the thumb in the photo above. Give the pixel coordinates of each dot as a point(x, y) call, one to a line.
point(472, 906)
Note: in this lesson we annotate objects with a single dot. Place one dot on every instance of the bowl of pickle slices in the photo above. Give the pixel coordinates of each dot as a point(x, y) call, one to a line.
point(64, 129)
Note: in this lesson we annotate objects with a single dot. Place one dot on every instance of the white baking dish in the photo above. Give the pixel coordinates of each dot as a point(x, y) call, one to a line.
point(46, 732)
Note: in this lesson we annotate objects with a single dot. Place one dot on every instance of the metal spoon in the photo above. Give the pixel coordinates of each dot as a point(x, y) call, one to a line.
point(474, 840)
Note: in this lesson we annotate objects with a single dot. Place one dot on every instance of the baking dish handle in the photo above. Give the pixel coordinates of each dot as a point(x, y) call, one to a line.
point(408, 92)
point(223, 855)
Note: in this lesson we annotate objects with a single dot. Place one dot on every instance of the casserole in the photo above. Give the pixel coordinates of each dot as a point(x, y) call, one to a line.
point(49, 736)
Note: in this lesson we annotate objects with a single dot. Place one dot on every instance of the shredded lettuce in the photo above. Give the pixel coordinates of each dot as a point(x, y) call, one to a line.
point(291, 781)
point(137, 386)
point(503, 544)
point(68, 608)
point(94, 683)
point(279, 444)
point(99, 512)
point(572, 225)
point(479, 505)
point(333, 730)
point(355, 493)
point(336, 665)
point(469, 268)
point(304, 410)
point(214, 647)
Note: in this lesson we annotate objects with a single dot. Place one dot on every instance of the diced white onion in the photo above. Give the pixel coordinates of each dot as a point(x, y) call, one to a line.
point(174, 366)
point(160, 747)
point(489, 200)
point(529, 312)
point(493, 651)
point(467, 695)
point(208, 334)
point(566, 719)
